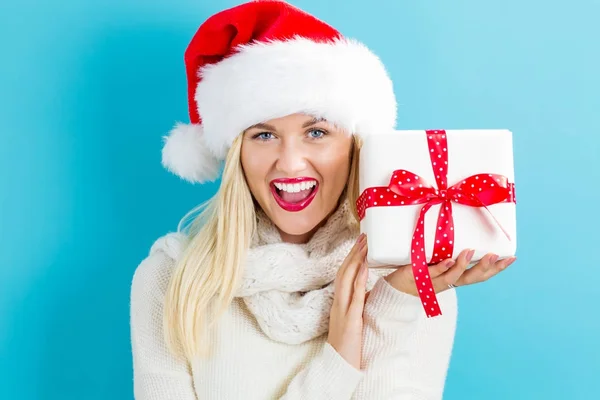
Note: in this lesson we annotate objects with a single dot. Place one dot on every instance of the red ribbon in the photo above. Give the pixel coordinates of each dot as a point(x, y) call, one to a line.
point(407, 188)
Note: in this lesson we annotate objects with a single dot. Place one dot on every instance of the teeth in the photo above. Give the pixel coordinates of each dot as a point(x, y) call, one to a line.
point(295, 187)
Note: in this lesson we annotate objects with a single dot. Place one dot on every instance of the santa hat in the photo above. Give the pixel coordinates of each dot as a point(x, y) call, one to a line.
point(267, 59)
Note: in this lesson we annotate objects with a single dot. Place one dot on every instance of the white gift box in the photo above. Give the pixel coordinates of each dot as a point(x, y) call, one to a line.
point(390, 229)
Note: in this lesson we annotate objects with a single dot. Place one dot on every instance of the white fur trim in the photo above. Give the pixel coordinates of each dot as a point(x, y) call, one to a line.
point(185, 154)
point(341, 81)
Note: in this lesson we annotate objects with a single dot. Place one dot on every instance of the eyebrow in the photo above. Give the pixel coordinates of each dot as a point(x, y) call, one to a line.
point(262, 126)
point(312, 122)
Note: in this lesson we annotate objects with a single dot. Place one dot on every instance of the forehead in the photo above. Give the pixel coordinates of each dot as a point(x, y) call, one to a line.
point(291, 121)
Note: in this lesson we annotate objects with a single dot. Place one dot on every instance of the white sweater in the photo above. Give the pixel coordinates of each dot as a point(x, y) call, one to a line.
point(405, 354)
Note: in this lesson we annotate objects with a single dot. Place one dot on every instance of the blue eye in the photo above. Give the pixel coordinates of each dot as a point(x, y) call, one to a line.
point(263, 136)
point(317, 133)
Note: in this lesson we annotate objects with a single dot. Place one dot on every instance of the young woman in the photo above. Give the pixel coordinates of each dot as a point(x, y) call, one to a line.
point(266, 295)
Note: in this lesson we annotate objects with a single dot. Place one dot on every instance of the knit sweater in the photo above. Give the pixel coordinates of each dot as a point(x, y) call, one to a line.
point(405, 355)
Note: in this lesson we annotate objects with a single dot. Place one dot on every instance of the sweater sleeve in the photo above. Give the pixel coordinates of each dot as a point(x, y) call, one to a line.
point(328, 377)
point(157, 374)
point(405, 354)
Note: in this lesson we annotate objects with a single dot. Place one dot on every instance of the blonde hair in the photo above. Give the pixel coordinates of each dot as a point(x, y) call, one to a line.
point(206, 277)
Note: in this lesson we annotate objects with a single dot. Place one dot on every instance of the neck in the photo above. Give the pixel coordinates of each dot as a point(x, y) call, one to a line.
point(298, 239)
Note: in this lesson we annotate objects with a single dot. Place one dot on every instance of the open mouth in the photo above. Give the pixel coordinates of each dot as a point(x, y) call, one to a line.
point(296, 194)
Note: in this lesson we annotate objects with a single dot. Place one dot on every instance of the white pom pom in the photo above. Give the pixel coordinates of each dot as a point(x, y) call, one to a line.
point(185, 154)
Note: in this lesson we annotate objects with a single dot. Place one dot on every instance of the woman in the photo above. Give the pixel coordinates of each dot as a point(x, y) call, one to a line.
point(266, 294)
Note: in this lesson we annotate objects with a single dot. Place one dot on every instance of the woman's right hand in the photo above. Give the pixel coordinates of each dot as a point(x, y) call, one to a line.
point(346, 316)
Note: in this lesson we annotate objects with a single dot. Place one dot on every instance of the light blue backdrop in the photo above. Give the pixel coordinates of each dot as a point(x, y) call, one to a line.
point(87, 89)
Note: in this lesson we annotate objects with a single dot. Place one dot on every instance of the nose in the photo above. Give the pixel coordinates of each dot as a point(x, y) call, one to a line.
point(291, 159)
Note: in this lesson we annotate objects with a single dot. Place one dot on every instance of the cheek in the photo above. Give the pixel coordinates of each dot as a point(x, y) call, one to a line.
point(334, 167)
point(254, 167)
point(256, 164)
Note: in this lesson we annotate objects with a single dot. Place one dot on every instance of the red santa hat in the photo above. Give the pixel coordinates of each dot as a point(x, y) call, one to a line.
point(267, 59)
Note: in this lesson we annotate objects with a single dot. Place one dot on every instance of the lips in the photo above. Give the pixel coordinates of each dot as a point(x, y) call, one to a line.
point(294, 194)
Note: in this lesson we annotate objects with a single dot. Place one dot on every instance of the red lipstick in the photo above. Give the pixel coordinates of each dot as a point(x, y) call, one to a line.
point(293, 206)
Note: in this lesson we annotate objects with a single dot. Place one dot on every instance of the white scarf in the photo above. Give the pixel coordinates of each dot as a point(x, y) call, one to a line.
point(288, 287)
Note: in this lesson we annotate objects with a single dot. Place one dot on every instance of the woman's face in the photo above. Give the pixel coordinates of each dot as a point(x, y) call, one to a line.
point(296, 168)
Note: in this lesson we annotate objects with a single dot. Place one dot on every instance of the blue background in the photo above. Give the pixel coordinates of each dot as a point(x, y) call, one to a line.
point(87, 89)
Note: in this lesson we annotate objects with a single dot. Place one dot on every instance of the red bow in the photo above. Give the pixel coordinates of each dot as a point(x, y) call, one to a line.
point(407, 188)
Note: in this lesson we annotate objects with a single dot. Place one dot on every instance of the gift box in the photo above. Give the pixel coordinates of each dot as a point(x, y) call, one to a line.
point(426, 195)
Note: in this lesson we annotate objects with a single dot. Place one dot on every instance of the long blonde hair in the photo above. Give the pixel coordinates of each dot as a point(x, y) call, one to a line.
point(208, 273)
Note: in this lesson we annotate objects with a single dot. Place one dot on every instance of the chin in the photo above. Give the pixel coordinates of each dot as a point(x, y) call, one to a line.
point(298, 223)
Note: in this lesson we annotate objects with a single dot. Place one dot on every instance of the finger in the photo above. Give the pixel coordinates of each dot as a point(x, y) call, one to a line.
point(505, 263)
point(480, 271)
point(354, 267)
point(359, 294)
point(500, 266)
point(367, 296)
point(342, 269)
point(455, 272)
point(439, 269)
point(350, 256)
point(434, 270)
point(346, 283)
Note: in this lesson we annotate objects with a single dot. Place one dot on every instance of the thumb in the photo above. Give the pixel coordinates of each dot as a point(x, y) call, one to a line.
point(367, 296)
point(439, 269)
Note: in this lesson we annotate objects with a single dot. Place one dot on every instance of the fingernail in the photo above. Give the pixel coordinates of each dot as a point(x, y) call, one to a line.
point(470, 255)
point(449, 263)
point(360, 238)
point(493, 259)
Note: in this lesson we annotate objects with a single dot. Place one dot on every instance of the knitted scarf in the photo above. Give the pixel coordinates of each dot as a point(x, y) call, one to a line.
point(289, 288)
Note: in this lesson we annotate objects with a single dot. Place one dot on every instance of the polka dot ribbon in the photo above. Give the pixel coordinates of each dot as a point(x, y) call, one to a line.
point(407, 188)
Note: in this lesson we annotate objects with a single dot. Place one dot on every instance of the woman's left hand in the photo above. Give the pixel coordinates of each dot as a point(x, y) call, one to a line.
point(451, 272)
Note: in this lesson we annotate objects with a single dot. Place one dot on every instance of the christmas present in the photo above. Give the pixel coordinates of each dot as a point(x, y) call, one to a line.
point(426, 195)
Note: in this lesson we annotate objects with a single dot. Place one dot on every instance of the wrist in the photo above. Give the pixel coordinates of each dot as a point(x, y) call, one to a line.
point(399, 282)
